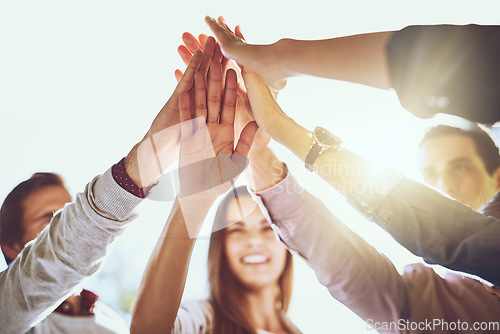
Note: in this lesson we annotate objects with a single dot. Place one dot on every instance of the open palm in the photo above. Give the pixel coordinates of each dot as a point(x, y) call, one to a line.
point(209, 160)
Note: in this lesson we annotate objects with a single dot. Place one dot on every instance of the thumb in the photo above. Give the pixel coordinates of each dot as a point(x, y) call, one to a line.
point(246, 139)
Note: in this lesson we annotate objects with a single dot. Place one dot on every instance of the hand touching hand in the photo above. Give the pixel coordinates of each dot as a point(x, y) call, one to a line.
point(208, 159)
point(191, 44)
point(255, 57)
point(147, 160)
point(243, 113)
point(265, 109)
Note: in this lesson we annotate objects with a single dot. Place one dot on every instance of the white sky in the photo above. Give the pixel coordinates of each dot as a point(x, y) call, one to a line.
point(80, 82)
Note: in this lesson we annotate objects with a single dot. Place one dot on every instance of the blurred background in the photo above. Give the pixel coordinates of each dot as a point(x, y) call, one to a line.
point(80, 83)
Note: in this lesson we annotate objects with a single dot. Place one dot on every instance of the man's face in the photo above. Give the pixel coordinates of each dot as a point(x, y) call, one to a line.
point(39, 207)
point(452, 164)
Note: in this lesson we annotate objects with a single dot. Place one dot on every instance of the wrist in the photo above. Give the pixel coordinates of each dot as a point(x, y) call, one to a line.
point(131, 166)
point(256, 153)
point(147, 161)
point(281, 54)
point(194, 209)
point(274, 122)
point(293, 136)
point(260, 157)
point(265, 171)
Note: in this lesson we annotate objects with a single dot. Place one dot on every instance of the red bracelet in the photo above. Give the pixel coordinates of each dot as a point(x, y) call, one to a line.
point(123, 179)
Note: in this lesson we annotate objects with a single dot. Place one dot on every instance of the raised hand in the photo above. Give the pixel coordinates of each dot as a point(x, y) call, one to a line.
point(208, 159)
point(265, 110)
point(243, 109)
point(159, 147)
point(244, 115)
point(169, 114)
point(255, 57)
point(191, 44)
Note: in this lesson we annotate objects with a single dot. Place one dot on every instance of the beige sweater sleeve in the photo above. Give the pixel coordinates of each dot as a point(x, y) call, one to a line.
point(69, 250)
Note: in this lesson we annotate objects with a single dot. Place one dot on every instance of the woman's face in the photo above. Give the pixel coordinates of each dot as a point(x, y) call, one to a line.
point(254, 255)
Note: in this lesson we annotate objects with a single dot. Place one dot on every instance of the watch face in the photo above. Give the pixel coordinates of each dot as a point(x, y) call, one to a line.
point(325, 138)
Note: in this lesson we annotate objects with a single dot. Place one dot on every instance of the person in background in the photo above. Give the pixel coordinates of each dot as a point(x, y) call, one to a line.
point(72, 247)
point(363, 59)
point(250, 272)
point(463, 163)
point(434, 69)
point(359, 276)
point(25, 212)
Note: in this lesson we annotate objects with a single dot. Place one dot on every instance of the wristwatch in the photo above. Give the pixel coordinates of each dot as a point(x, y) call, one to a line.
point(323, 140)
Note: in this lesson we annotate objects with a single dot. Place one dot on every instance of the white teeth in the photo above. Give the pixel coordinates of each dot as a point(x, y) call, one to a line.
point(255, 259)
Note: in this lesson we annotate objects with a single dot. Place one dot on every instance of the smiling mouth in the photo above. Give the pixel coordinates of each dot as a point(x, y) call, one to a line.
point(255, 259)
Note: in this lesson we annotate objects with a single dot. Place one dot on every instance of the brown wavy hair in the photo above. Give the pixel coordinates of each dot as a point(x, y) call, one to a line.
point(230, 314)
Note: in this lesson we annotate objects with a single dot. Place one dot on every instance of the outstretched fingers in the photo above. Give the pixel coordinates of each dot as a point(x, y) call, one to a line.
point(191, 43)
point(203, 39)
point(185, 54)
point(224, 35)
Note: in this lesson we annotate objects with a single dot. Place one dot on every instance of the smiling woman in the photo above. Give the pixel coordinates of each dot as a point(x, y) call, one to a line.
point(249, 270)
point(249, 274)
point(83, 79)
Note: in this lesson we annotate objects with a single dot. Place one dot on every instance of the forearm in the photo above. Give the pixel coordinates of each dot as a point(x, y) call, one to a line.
point(162, 286)
point(71, 249)
point(342, 169)
point(351, 269)
point(358, 58)
point(265, 169)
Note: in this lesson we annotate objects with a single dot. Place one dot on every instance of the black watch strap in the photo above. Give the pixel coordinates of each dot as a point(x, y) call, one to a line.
point(313, 154)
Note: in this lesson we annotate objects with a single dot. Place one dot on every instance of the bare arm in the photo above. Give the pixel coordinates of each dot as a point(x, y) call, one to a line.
point(412, 213)
point(357, 58)
point(162, 286)
point(287, 132)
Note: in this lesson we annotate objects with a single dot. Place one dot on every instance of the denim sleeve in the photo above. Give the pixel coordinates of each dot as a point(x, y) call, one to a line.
point(438, 229)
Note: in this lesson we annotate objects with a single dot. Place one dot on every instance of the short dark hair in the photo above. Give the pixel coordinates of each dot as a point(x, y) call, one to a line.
point(485, 145)
point(11, 212)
